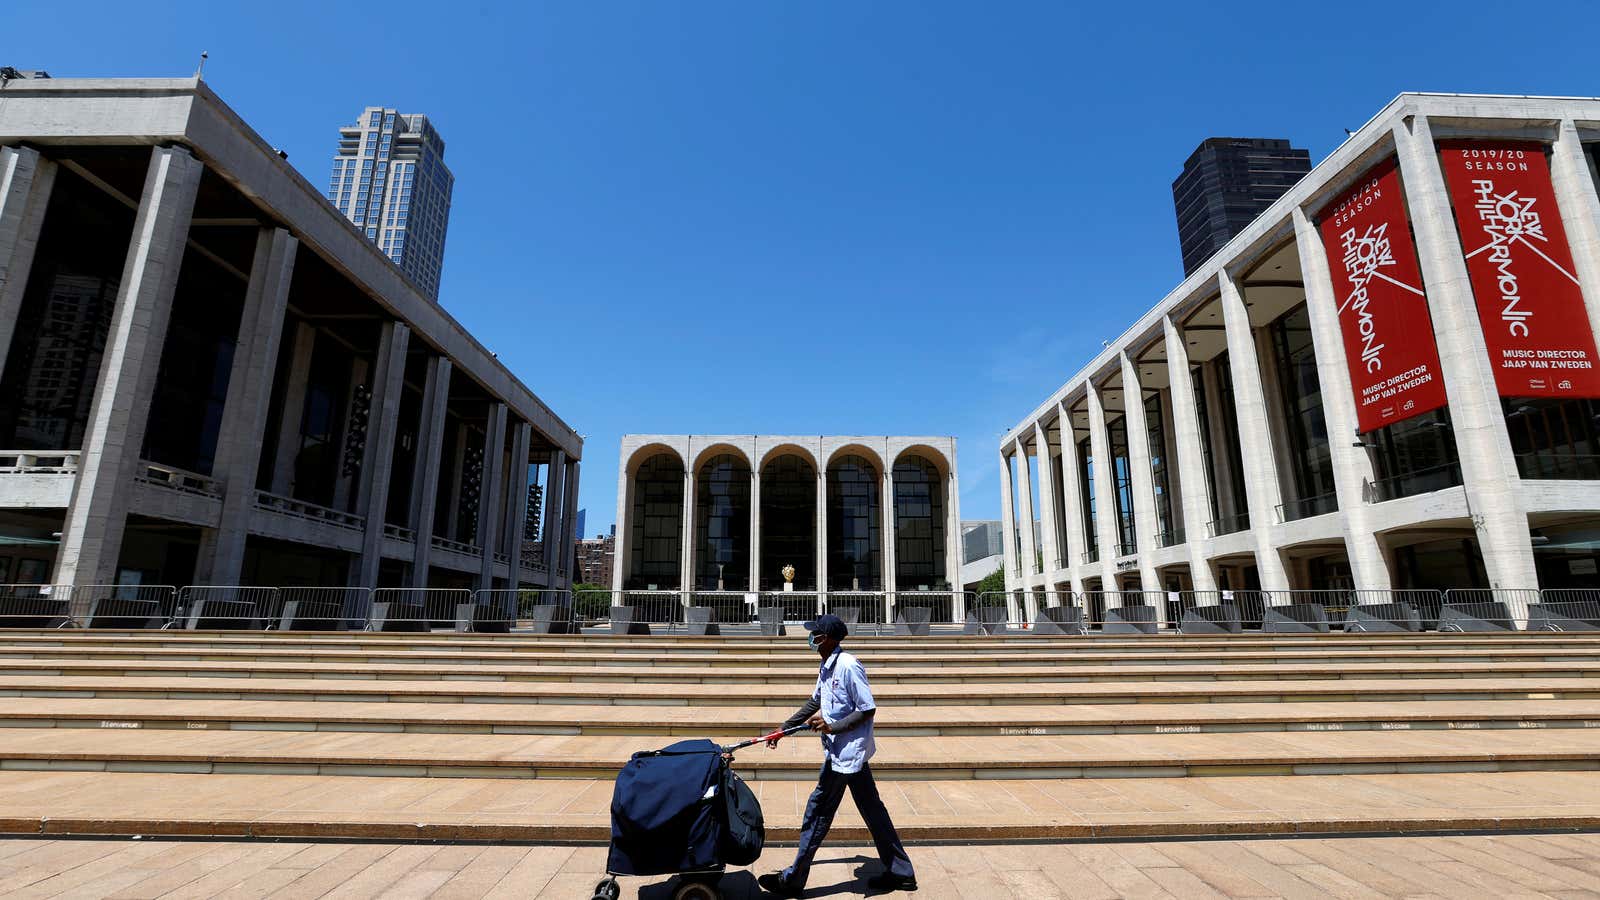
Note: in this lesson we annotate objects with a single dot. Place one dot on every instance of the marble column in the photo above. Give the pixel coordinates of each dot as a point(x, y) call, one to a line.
point(244, 412)
point(91, 534)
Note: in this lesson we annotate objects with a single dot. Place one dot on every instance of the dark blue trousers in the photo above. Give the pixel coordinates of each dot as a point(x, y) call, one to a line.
point(824, 803)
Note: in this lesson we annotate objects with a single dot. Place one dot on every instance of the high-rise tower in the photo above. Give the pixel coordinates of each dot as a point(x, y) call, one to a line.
point(389, 178)
point(1226, 183)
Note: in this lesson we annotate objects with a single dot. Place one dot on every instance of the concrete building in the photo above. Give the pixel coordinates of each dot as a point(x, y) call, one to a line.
point(1225, 184)
point(596, 557)
point(1386, 381)
point(389, 178)
point(212, 377)
point(757, 503)
point(981, 551)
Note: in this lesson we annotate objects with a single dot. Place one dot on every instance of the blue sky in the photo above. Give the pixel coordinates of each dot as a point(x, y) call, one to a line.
point(827, 217)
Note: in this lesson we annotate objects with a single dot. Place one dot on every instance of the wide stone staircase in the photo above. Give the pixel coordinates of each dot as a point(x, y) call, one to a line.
point(518, 737)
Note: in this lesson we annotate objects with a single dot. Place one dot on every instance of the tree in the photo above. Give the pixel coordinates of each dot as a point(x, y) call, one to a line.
point(993, 583)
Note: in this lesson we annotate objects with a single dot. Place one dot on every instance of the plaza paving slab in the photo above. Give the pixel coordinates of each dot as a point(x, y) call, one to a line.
point(65, 802)
point(1564, 866)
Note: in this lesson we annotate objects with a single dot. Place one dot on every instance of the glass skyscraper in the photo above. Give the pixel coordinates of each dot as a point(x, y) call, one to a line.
point(1225, 184)
point(389, 178)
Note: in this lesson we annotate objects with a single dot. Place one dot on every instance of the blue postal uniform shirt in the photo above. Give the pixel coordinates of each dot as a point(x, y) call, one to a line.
point(841, 690)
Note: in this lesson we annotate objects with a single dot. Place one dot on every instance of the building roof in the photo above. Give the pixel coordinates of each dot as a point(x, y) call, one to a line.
point(76, 112)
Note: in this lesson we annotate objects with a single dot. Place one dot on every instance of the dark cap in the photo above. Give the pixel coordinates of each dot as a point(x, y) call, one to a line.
point(830, 625)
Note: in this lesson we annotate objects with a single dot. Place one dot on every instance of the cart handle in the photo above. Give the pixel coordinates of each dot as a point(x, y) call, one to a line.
point(774, 736)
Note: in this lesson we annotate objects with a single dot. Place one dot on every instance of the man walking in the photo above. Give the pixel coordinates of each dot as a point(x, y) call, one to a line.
point(841, 708)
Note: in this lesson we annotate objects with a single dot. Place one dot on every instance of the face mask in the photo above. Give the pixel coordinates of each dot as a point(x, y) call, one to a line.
point(814, 641)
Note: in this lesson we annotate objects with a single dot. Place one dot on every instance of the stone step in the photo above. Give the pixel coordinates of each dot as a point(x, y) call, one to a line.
point(680, 721)
point(464, 689)
point(799, 674)
point(803, 660)
point(916, 758)
point(99, 803)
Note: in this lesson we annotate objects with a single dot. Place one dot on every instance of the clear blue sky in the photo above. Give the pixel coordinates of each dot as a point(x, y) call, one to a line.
point(827, 217)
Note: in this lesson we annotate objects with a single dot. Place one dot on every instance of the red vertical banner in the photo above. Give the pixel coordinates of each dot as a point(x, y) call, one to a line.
point(1529, 302)
point(1383, 312)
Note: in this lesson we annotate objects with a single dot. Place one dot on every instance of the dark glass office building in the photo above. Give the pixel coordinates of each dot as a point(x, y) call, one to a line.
point(1226, 183)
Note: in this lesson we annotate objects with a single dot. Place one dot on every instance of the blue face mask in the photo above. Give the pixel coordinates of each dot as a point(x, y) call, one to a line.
point(815, 640)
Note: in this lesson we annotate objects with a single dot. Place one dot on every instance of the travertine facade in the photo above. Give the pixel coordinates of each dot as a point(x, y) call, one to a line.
point(255, 393)
point(1229, 421)
point(766, 501)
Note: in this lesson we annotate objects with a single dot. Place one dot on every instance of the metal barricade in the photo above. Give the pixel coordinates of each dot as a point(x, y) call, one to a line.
point(941, 605)
point(124, 606)
point(727, 607)
point(552, 611)
point(321, 608)
point(653, 607)
point(37, 606)
point(494, 611)
point(1566, 609)
point(1133, 612)
point(119, 606)
point(797, 606)
point(1406, 609)
point(1209, 612)
point(227, 607)
point(1485, 609)
point(417, 609)
point(993, 609)
point(1302, 611)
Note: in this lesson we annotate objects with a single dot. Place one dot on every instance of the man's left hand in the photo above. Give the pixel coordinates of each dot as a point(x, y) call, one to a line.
point(818, 723)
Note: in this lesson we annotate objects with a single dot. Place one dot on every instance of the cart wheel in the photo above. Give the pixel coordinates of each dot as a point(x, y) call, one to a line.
point(697, 890)
point(607, 889)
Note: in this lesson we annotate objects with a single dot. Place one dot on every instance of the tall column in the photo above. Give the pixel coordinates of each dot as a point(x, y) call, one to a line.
point(1194, 491)
point(822, 533)
point(91, 536)
point(1261, 489)
point(621, 564)
point(1072, 500)
point(244, 413)
point(489, 511)
point(1048, 537)
point(1105, 495)
point(425, 498)
point(1012, 557)
point(569, 524)
point(691, 499)
point(554, 492)
point(1580, 214)
point(1030, 547)
point(891, 574)
point(1352, 467)
point(25, 182)
point(377, 456)
point(298, 376)
point(1488, 468)
point(516, 502)
point(952, 539)
point(1144, 488)
point(753, 582)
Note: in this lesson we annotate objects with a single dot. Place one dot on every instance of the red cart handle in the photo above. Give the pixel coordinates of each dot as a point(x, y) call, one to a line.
point(767, 738)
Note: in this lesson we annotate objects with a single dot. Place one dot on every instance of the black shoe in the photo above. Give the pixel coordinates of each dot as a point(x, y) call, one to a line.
point(888, 881)
point(775, 885)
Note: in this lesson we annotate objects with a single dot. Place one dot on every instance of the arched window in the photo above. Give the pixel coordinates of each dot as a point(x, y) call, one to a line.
point(788, 522)
point(656, 539)
point(919, 532)
point(722, 524)
point(854, 541)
